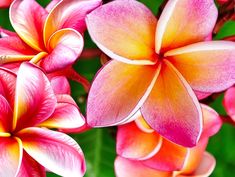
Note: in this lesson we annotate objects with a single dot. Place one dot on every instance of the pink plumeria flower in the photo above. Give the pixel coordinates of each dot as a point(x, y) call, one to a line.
point(27, 103)
point(5, 3)
point(51, 37)
point(159, 66)
point(229, 102)
point(142, 152)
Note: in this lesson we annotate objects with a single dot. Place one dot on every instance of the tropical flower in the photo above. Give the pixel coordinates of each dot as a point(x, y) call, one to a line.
point(27, 104)
point(142, 152)
point(159, 66)
point(51, 37)
point(5, 3)
point(229, 102)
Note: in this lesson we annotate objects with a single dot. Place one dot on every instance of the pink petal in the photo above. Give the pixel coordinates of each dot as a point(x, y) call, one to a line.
point(60, 85)
point(29, 167)
point(207, 66)
point(10, 156)
point(64, 46)
point(66, 114)
point(54, 150)
point(69, 14)
point(5, 115)
point(229, 102)
point(132, 143)
point(201, 95)
point(115, 30)
point(143, 125)
point(27, 17)
point(131, 168)
point(5, 3)
point(6, 33)
point(184, 22)
point(52, 4)
point(172, 108)
point(35, 100)
point(118, 91)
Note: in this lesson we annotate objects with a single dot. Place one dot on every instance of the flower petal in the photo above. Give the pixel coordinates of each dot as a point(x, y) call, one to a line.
point(35, 100)
point(52, 4)
point(6, 33)
point(64, 46)
point(29, 167)
point(69, 14)
point(60, 85)
point(207, 66)
point(170, 157)
point(54, 150)
point(5, 115)
point(27, 23)
point(131, 168)
point(184, 22)
point(5, 3)
point(172, 108)
point(132, 143)
point(112, 29)
point(118, 91)
point(229, 102)
point(10, 156)
point(66, 114)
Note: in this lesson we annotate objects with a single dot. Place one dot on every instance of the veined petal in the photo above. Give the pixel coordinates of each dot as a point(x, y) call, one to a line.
point(66, 114)
point(132, 143)
point(115, 30)
point(54, 150)
point(27, 18)
point(170, 157)
point(60, 85)
point(10, 156)
point(69, 14)
point(29, 167)
point(5, 115)
point(118, 91)
point(131, 168)
point(35, 100)
point(64, 46)
point(172, 108)
point(229, 102)
point(207, 66)
point(184, 22)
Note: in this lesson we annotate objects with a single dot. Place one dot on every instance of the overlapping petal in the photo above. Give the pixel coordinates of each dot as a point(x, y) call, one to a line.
point(5, 3)
point(184, 22)
point(229, 102)
point(54, 150)
point(5, 115)
point(124, 88)
point(35, 100)
point(60, 85)
point(173, 107)
point(112, 29)
point(207, 66)
point(132, 143)
point(68, 14)
point(28, 17)
point(64, 46)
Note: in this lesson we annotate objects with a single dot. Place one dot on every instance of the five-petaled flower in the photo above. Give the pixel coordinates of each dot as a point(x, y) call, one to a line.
point(142, 152)
point(159, 66)
point(27, 103)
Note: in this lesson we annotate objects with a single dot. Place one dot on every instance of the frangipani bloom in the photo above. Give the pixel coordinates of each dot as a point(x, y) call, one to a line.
point(27, 103)
point(159, 66)
point(229, 102)
point(144, 153)
point(51, 37)
point(5, 3)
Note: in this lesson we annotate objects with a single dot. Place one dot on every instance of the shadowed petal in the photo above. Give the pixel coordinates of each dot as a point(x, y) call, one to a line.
point(129, 168)
point(132, 143)
point(35, 100)
point(27, 23)
point(64, 46)
point(5, 3)
point(54, 150)
point(172, 108)
point(192, 20)
point(112, 29)
point(207, 66)
point(118, 91)
point(229, 102)
point(10, 156)
point(69, 14)
point(5, 115)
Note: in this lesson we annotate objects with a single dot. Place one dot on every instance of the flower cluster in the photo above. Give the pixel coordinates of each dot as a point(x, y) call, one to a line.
point(156, 74)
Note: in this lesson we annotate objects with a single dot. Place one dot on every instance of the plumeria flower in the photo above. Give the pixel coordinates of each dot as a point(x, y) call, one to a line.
point(5, 3)
point(142, 152)
point(229, 102)
point(51, 37)
point(159, 66)
point(28, 108)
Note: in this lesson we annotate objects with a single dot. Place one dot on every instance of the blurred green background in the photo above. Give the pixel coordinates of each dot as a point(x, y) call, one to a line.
point(99, 144)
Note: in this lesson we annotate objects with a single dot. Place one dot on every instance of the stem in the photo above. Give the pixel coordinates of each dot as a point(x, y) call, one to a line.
point(228, 120)
point(90, 53)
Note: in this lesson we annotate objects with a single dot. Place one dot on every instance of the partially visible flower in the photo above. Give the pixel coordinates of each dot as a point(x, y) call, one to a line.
point(229, 102)
point(51, 37)
point(28, 104)
point(142, 152)
point(160, 67)
point(5, 3)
